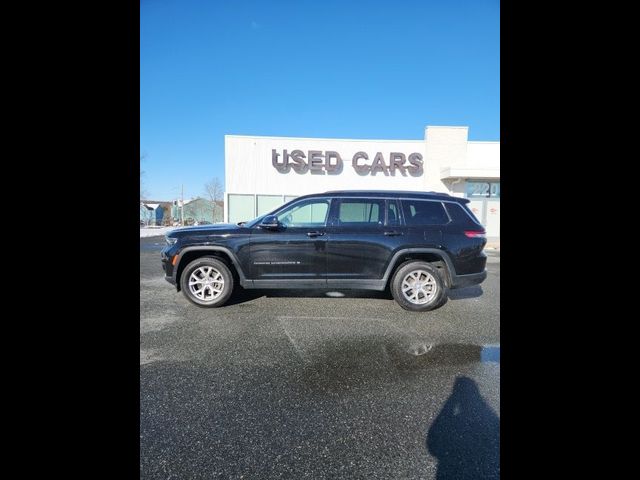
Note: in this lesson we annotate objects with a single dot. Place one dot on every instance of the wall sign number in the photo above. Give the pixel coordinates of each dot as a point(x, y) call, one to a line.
point(483, 189)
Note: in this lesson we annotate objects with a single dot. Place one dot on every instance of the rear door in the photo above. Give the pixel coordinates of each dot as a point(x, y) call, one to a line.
point(362, 236)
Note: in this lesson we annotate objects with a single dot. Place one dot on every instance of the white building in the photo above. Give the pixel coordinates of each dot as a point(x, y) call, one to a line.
point(264, 172)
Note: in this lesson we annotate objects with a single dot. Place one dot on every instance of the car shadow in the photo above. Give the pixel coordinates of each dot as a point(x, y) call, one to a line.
point(466, 292)
point(465, 436)
point(242, 295)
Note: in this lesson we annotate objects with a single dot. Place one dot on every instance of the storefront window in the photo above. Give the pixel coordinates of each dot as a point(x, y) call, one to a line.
point(241, 208)
point(267, 203)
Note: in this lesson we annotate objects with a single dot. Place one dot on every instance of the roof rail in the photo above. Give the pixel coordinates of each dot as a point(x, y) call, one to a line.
point(444, 194)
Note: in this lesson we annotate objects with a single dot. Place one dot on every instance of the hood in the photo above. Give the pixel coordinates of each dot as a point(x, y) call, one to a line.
point(219, 228)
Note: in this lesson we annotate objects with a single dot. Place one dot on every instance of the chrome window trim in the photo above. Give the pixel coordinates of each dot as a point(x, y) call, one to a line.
point(330, 197)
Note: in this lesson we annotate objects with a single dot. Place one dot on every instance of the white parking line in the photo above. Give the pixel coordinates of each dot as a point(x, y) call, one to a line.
point(295, 345)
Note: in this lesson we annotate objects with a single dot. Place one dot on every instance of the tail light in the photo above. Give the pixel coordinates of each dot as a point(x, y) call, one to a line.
point(475, 234)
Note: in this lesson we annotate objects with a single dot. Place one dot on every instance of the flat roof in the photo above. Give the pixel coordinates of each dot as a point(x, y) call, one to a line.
point(352, 139)
point(323, 138)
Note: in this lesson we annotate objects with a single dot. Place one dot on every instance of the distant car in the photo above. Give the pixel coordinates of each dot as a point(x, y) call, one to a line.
point(204, 222)
point(416, 243)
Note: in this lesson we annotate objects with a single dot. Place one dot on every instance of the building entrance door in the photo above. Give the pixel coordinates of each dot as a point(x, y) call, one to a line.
point(484, 202)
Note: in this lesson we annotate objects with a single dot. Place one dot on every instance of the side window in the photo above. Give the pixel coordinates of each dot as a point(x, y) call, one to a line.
point(305, 214)
point(421, 212)
point(393, 216)
point(361, 212)
point(460, 214)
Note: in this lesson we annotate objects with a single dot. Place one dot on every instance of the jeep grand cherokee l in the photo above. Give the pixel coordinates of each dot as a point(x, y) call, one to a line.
point(416, 244)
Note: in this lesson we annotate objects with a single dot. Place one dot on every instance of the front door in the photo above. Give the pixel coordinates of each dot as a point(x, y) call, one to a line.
point(297, 250)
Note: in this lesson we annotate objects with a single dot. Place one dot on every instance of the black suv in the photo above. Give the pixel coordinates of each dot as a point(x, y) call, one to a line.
point(415, 243)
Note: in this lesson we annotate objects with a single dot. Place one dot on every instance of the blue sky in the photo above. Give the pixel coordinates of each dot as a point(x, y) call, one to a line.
point(324, 68)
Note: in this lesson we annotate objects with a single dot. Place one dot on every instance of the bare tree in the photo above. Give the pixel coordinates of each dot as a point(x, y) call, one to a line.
point(166, 215)
point(215, 192)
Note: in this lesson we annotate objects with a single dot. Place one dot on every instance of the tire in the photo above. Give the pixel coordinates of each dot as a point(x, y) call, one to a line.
point(430, 295)
point(219, 278)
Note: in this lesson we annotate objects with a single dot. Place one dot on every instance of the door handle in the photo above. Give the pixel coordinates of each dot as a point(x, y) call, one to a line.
point(315, 234)
point(392, 233)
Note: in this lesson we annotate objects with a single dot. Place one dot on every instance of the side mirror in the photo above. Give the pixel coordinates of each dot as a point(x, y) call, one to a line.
point(270, 222)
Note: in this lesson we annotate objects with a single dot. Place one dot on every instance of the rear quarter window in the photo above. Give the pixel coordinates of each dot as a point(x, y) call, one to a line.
point(461, 214)
point(423, 212)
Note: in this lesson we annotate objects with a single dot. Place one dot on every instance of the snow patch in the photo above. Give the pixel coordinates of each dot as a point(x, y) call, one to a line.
point(154, 231)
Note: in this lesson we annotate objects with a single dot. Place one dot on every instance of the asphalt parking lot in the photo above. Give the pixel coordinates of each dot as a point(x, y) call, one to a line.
point(306, 385)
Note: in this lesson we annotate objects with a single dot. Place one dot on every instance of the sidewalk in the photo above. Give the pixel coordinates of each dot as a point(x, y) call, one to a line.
point(493, 243)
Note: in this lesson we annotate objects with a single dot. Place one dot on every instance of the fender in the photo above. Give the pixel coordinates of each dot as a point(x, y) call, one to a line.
point(210, 248)
point(451, 271)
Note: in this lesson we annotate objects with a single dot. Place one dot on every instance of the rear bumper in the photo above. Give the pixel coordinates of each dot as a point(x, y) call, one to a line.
point(460, 281)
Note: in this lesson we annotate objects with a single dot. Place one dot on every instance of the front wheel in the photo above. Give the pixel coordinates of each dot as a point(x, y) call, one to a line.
point(418, 286)
point(207, 282)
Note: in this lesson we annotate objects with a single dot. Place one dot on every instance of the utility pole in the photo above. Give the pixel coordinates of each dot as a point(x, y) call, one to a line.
point(182, 206)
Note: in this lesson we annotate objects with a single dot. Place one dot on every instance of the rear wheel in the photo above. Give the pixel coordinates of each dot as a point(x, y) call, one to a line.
point(418, 287)
point(207, 282)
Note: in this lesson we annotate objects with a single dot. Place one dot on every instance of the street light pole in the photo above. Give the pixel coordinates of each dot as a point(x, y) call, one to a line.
point(182, 205)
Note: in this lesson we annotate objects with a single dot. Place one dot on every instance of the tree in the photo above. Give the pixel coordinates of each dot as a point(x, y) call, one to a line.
point(215, 192)
point(166, 215)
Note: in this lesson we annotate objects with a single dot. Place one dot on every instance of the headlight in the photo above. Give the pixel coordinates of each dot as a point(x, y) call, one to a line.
point(171, 240)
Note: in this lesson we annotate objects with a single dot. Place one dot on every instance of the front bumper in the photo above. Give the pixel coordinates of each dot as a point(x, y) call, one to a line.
point(167, 266)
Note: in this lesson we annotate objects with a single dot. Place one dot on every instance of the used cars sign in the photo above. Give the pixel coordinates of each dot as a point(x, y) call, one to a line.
point(330, 162)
